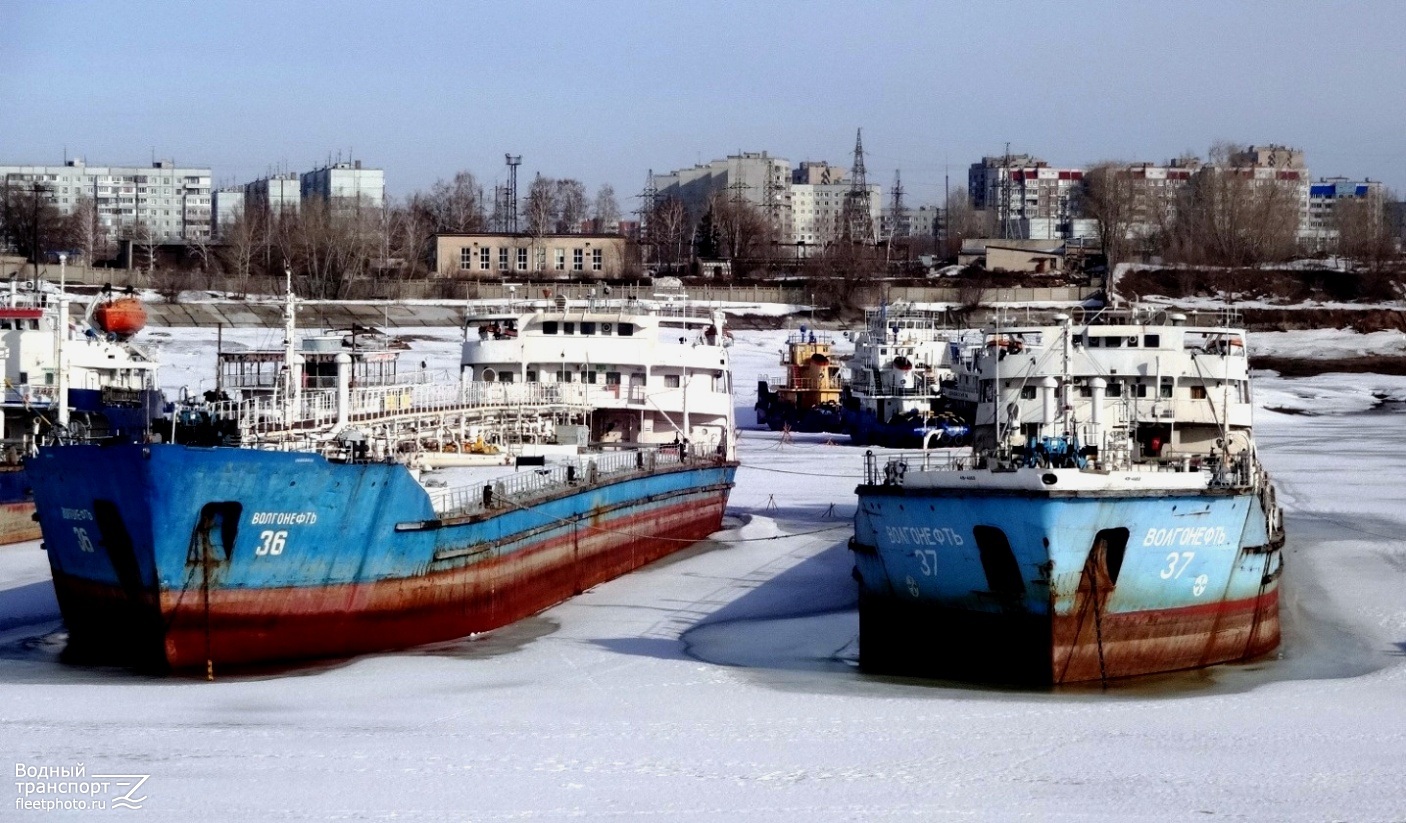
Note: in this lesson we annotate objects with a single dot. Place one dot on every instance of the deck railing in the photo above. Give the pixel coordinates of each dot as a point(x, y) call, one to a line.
point(522, 488)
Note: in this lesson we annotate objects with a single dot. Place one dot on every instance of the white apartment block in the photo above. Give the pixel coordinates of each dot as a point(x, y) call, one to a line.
point(755, 178)
point(818, 212)
point(226, 206)
point(171, 202)
point(806, 203)
point(1317, 228)
point(275, 194)
point(345, 185)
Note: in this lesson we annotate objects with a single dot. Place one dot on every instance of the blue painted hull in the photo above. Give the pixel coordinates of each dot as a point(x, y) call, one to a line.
point(1062, 587)
point(128, 421)
point(178, 555)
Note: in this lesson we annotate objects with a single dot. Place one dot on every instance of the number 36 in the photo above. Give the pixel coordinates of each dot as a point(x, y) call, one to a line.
point(271, 543)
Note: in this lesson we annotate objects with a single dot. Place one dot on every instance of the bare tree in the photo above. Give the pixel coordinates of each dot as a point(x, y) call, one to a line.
point(1107, 195)
point(539, 209)
point(1365, 233)
point(1233, 216)
point(572, 206)
point(453, 206)
point(29, 221)
point(962, 222)
point(743, 229)
point(243, 240)
point(668, 229)
point(606, 211)
point(329, 248)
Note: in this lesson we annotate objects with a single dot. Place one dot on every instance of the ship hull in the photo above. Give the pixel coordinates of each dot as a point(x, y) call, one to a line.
point(1046, 588)
point(239, 556)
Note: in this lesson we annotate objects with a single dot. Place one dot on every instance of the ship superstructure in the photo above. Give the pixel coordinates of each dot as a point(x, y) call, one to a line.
point(905, 361)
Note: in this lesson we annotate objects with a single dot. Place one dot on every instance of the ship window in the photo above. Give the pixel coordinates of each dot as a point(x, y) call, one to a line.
point(532, 375)
point(588, 328)
point(671, 381)
point(505, 377)
point(563, 377)
point(1115, 387)
point(1198, 392)
point(1112, 342)
point(1114, 545)
point(998, 562)
point(605, 328)
point(612, 378)
point(1166, 388)
point(568, 328)
point(549, 327)
point(589, 377)
point(1140, 390)
point(637, 379)
point(1095, 342)
point(1151, 341)
point(489, 375)
point(1027, 392)
point(627, 329)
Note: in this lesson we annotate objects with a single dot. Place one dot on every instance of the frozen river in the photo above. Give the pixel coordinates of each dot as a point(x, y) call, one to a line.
point(720, 684)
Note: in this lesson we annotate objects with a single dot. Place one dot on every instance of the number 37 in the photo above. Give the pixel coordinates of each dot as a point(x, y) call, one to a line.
point(271, 543)
point(1176, 564)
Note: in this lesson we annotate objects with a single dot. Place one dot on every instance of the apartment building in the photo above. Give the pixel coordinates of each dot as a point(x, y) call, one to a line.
point(1030, 199)
point(170, 202)
point(755, 178)
point(1318, 224)
point(345, 185)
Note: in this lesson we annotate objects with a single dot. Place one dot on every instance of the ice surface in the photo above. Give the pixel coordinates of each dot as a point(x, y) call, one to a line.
point(720, 684)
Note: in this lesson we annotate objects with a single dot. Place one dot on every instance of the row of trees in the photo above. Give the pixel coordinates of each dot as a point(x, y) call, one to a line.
point(1223, 215)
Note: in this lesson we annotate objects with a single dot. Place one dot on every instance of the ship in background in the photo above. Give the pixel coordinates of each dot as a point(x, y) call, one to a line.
point(1112, 518)
point(279, 519)
point(807, 397)
point(900, 390)
point(105, 388)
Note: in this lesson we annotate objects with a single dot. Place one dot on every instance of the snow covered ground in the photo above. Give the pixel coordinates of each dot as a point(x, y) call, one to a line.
point(720, 684)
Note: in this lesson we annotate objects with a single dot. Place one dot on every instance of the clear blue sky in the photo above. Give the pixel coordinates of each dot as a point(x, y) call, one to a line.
point(605, 91)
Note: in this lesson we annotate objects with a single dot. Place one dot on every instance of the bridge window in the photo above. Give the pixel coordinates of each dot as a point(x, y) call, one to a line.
point(1151, 341)
point(626, 330)
point(568, 328)
point(588, 328)
point(549, 327)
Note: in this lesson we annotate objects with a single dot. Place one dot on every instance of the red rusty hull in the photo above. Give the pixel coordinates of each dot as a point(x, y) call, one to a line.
point(1021, 648)
point(1147, 642)
point(254, 626)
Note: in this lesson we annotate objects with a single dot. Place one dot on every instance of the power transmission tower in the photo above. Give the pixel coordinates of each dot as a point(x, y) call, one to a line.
point(649, 200)
point(857, 217)
point(514, 160)
point(1010, 225)
point(898, 214)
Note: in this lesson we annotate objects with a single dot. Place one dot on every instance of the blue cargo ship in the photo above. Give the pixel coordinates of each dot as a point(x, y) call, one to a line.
point(284, 522)
point(1112, 518)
